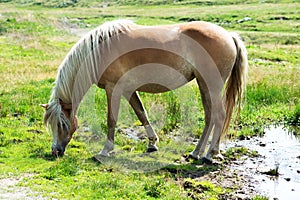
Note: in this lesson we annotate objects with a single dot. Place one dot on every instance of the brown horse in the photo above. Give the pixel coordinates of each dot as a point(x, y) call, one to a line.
point(124, 58)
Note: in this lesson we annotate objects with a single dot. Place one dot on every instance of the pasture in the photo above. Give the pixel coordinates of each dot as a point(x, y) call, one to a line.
point(35, 36)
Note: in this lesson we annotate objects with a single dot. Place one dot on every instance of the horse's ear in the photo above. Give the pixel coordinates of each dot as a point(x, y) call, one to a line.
point(44, 105)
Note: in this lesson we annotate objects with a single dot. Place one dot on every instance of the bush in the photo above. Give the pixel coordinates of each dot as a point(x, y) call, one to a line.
point(294, 118)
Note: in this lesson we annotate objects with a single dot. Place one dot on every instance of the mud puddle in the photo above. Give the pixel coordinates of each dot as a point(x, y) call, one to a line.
point(276, 172)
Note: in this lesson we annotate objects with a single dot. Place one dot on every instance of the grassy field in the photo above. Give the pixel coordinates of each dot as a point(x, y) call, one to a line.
point(35, 36)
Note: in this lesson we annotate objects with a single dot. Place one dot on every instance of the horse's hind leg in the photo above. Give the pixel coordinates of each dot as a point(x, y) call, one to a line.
point(141, 113)
point(206, 101)
point(219, 119)
point(113, 104)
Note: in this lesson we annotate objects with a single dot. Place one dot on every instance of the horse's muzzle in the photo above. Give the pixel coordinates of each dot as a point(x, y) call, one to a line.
point(58, 151)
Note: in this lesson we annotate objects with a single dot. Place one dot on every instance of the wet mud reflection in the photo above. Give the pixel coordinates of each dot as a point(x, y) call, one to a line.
point(279, 150)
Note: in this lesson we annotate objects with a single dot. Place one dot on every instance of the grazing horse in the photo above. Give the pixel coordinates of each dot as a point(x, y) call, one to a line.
point(123, 58)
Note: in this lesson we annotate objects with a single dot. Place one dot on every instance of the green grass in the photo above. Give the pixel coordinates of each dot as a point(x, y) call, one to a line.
point(34, 39)
point(294, 117)
point(203, 189)
point(235, 153)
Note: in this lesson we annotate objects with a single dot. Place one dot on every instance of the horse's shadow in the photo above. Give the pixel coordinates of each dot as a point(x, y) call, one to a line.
point(44, 155)
point(185, 167)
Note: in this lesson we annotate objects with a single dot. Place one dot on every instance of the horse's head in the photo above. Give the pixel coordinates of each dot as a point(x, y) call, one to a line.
point(62, 123)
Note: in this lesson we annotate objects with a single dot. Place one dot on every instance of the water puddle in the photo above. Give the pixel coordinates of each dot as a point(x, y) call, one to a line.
point(279, 149)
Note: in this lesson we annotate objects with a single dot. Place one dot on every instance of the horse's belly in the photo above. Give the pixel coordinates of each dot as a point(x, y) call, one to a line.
point(153, 88)
point(156, 88)
point(148, 70)
point(157, 78)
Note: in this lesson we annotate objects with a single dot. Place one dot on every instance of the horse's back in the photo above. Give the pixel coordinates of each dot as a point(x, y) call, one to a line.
point(217, 43)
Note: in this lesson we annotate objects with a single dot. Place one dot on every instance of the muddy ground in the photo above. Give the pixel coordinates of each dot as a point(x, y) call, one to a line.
point(226, 174)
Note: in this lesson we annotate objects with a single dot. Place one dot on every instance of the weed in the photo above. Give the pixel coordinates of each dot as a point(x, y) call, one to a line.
point(294, 118)
point(235, 153)
point(202, 189)
point(173, 113)
point(258, 197)
point(155, 188)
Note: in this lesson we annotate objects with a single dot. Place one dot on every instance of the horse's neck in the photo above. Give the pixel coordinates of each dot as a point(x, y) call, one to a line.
point(81, 68)
point(72, 84)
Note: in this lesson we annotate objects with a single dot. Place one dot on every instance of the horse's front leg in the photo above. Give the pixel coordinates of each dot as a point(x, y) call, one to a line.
point(113, 105)
point(141, 113)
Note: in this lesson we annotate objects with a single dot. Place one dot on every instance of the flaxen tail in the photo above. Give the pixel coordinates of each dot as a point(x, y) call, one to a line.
point(236, 83)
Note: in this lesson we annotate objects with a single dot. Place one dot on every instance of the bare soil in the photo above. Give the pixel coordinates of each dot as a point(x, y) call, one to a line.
point(9, 189)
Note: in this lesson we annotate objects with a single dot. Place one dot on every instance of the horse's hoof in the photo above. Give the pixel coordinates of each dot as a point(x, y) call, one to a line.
point(189, 157)
point(99, 158)
point(152, 148)
point(207, 161)
point(193, 156)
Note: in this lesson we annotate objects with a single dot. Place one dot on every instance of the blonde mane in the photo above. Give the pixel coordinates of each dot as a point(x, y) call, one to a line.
point(79, 71)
